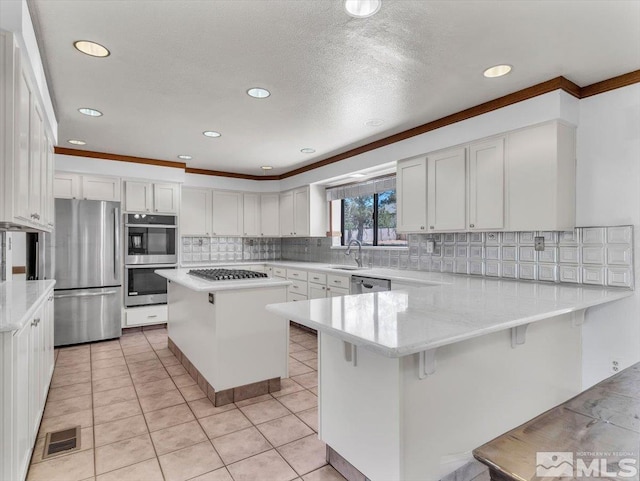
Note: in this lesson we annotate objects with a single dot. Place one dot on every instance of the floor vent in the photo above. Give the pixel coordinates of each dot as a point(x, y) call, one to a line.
point(58, 442)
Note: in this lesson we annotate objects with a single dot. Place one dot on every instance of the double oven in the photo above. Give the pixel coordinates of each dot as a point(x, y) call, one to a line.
point(151, 243)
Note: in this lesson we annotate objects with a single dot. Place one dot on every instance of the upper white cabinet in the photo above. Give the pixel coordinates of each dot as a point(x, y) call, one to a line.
point(303, 212)
point(446, 190)
point(542, 177)
point(227, 213)
point(195, 212)
point(486, 185)
point(251, 216)
point(150, 197)
point(270, 215)
point(523, 180)
point(75, 186)
point(411, 195)
point(26, 149)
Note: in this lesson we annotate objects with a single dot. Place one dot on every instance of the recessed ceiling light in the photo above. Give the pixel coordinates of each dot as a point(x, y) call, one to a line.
point(258, 93)
point(77, 142)
point(90, 112)
point(307, 150)
point(185, 157)
point(91, 48)
point(374, 122)
point(211, 133)
point(266, 167)
point(362, 8)
point(357, 176)
point(497, 71)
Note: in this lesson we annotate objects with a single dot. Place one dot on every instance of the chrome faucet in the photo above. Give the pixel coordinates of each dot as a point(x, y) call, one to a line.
point(358, 259)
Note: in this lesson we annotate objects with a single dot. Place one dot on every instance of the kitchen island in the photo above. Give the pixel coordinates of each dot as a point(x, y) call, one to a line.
point(223, 335)
point(410, 381)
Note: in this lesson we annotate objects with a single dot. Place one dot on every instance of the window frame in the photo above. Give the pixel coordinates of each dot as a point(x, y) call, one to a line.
point(375, 224)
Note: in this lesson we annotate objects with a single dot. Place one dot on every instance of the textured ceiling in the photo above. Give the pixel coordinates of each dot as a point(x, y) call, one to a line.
point(179, 67)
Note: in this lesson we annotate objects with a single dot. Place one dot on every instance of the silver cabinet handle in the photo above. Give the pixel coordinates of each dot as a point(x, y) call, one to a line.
point(35, 322)
point(154, 315)
point(422, 227)
point(85, 294)
point(472, 225)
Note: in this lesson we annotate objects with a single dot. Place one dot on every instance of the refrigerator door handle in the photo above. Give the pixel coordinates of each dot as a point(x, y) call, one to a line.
point(116, 243)
point(85, 294)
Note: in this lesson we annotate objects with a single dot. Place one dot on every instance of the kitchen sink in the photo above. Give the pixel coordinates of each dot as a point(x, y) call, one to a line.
point(348, 268)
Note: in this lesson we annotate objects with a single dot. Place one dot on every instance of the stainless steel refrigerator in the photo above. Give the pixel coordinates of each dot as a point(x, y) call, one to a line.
point(88, 290)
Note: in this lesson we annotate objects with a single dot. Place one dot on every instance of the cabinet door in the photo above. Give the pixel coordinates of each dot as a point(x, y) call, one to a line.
point(49, 205)
point(486, 185)
point(447, 188)
point(35, 163)
point(101, 188)
point(301, 212)
point(411, 187)
point(251, 217)
point(195, 212)
point(35, 373)
point(227, 213)
point(21, 434)
point(316, 291)
point(49, 359)
point(165, 198)
point(286, 214)
point(21, 167)
point(270, 215)
point(137, 196)
point(66, 186)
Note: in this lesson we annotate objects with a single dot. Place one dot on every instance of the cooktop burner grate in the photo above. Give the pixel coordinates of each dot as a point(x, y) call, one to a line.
point(225, 274)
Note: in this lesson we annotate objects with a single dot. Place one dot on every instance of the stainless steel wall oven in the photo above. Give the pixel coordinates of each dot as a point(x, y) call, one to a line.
point(151, 239)
point(143, 287)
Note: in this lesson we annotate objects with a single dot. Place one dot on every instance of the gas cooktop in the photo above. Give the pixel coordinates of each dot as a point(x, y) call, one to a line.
point(225, 274)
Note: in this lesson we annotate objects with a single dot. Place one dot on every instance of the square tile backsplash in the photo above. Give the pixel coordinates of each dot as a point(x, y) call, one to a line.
point(600, 256)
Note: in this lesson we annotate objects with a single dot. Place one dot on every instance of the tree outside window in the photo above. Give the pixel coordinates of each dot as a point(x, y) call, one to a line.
point(371, 219)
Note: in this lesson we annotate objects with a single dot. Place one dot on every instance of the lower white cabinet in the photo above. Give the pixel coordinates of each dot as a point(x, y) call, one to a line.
point(145, 315)
point(26, 367)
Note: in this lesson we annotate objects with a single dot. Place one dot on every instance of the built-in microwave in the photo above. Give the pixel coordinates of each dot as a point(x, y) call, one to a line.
point(143, 287)
point(151, 239)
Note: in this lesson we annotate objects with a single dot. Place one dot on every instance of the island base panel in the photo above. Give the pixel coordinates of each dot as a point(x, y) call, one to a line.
point(391, 425)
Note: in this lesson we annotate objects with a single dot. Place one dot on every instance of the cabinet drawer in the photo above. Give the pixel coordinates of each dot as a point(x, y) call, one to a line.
point(338, 281)
point(317, 278)
point(298, 287)
point(337, 291)
point(295, 274)
point(292, 296)
point(280, 272)
point(137, 316)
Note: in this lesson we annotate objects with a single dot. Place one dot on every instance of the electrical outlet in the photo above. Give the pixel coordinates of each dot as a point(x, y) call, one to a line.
point(430, 246)
point(617, 364)
point(539, 243)
point(492, 236)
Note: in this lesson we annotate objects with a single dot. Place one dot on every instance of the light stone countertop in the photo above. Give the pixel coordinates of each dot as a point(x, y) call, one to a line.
point(403, 322)
point(181, 276)
point(19, 300)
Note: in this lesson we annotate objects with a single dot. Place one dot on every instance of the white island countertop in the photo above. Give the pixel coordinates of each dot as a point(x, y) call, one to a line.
point(403, 322)
point(198, 284)
point(18, 301)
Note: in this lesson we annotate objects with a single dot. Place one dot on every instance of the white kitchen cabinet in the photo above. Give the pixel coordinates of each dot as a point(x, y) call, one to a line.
point(486, 185)
point(160, 198)
point(270, 215)
point(195, 212)
point(446, 189)
point(49, 204)
point(227, 213)
point(251, 214)
point(411, 194)
point(67, 185)
point(35, 163)
point(22, 160)
point(303, 212)
point(542, 177)
point(26, 367)
point(337, 292)
point(138, 196)
point(317, 291)
point(145, 315)
point(166, 198)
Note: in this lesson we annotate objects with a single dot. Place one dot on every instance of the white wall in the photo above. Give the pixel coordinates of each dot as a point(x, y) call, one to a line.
point(608, 193)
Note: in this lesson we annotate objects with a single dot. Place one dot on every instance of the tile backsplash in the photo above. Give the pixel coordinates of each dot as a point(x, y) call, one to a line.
point(600, 256)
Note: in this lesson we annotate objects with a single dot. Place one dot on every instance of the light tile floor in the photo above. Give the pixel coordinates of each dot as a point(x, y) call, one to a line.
point(143, 418)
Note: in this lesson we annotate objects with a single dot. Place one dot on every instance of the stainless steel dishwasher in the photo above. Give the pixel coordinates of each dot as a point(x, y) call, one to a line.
point(362, 285)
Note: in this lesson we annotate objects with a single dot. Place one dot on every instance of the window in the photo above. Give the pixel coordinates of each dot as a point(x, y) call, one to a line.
point(371, 219)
